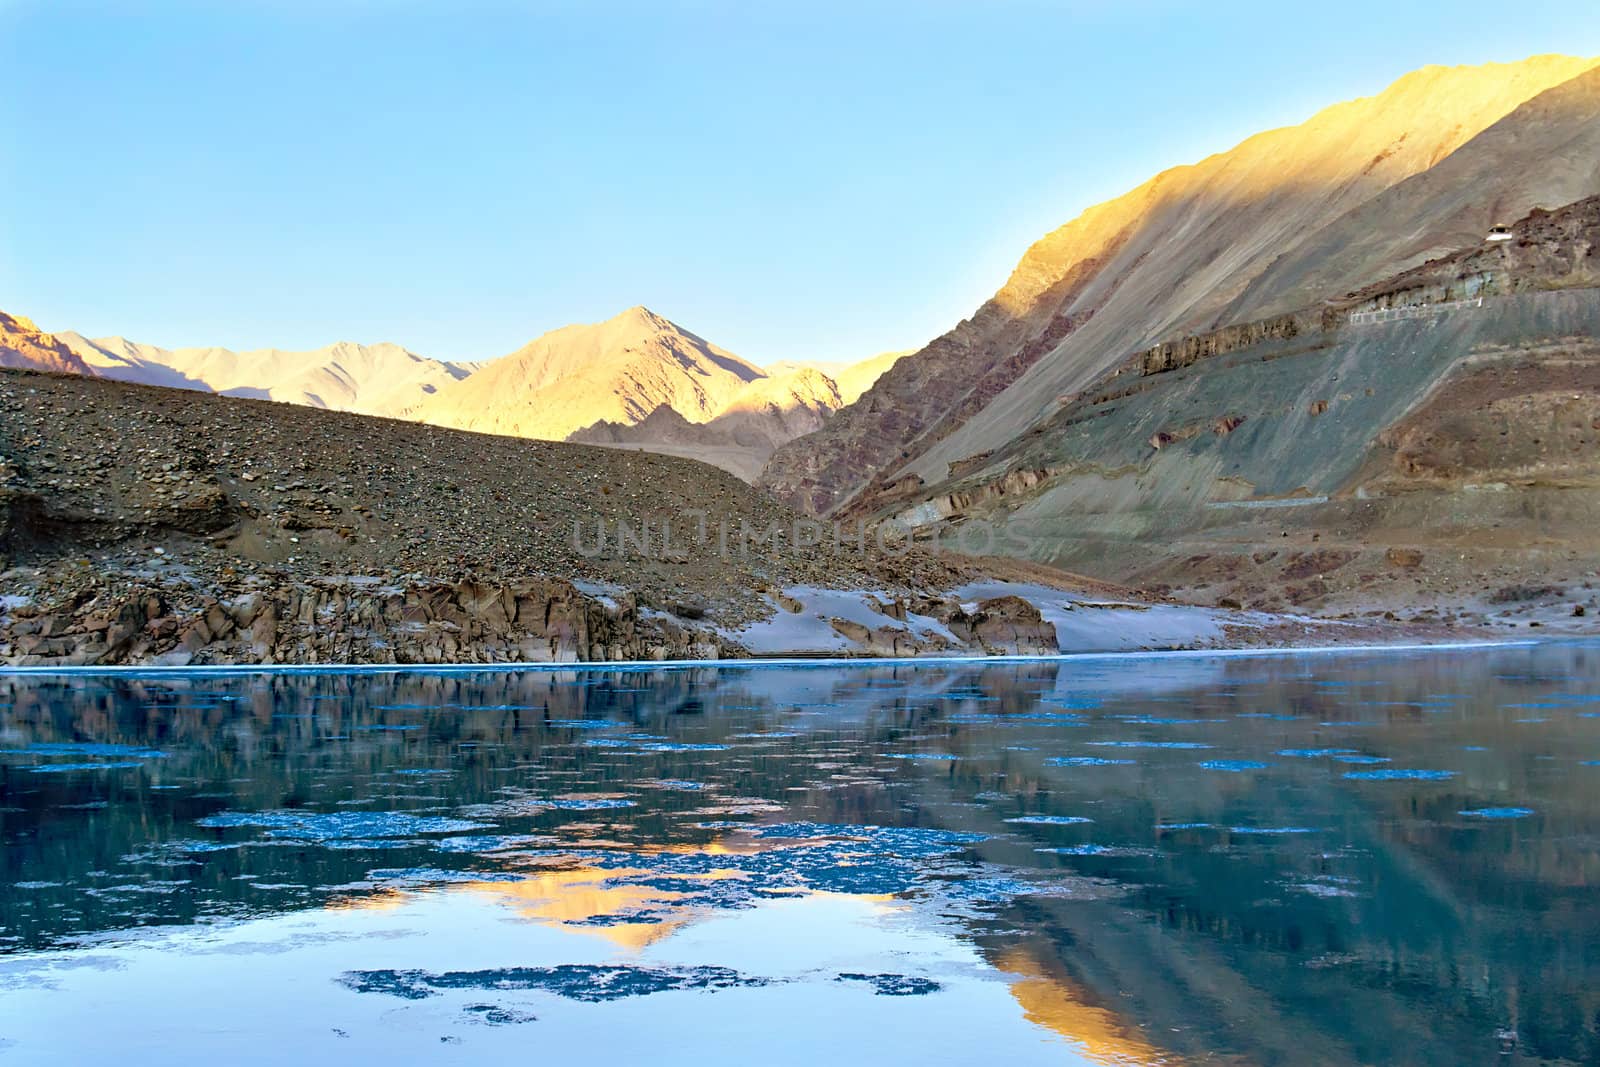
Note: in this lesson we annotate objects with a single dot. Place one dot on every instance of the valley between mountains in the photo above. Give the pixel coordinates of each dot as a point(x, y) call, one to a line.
point(1338, 384)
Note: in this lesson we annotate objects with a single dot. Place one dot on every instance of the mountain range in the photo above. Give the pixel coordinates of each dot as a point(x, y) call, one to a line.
point(381, 379)
point(1357, 350)
point(637, 380)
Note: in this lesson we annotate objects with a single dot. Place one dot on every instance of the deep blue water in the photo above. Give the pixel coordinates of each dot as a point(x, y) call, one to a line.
point(1341, 859)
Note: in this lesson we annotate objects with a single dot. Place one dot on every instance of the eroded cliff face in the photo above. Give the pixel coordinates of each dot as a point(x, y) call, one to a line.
point(331, 621)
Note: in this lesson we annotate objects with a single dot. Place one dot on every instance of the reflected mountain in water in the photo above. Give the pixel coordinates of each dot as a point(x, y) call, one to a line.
point(1310, 859)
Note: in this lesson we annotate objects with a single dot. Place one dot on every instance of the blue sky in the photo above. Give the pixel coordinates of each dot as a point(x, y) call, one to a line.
point(791, 180)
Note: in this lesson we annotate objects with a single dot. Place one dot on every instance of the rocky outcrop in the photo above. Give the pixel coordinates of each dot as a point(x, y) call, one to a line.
point(353, 621)
point(999, 626)
point(1008, 625)
point(1170, 355)
point(1544, 250)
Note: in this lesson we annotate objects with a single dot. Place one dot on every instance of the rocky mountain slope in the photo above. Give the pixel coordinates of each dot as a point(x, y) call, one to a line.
point(381, 379)
point(1269, 224)
point(1426, 442)
point(24, 346)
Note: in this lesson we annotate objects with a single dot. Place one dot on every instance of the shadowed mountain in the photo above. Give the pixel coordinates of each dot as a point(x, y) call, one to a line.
point(759, 417)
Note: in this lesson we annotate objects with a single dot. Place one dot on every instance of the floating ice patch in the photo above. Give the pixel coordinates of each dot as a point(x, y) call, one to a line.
point(84, 748)
point(912, 841)
point(1156, 720)
point(1400, 775)
point(588, 804)
point(1150, 744)
point(63, 768)
point(490, 842)
point(1088, 761)
point(1352, 757)
point(1316, 753)
point(1049, 820)
point(1252, 830)
point(894, 985)
point(1497, 813)
point(580, 724)
point(1234, 765)
point(593, 983)
point(495, 1015)
point(921, 755)
point(654, 746)
point(1097, 850)
point(1077, 703)
point(343, 825)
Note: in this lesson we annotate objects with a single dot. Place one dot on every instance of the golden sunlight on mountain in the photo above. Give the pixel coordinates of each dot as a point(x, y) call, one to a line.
point(1317, 170)
point(380, 379)
point(1343, 198)
point(619, 371)
point(26, 347)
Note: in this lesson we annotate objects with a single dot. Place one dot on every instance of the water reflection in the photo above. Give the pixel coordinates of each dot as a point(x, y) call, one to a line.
point(1347, 859)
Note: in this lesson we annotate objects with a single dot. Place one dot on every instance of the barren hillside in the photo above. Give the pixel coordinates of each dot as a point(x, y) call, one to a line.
point(1200, 246)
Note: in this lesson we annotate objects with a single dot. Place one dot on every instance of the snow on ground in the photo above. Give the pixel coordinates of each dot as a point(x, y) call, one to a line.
point(1081, 625)
point(809, 630)
point(1084, 625)
point(605, 592)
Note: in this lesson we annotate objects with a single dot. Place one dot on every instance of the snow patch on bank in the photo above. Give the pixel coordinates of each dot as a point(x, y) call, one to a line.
point(809, 629)
point(1081, 624)
point(1085, 625)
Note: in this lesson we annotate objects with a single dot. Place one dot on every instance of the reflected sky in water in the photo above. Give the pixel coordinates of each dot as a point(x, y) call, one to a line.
point(1334, 859)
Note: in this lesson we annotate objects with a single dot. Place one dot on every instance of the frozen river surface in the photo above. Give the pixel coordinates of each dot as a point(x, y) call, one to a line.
point(1341, 859)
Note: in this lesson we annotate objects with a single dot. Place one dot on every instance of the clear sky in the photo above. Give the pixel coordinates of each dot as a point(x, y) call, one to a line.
point(807, 180)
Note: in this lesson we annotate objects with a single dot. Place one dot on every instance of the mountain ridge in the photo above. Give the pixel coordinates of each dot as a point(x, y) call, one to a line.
point(1170, 256)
